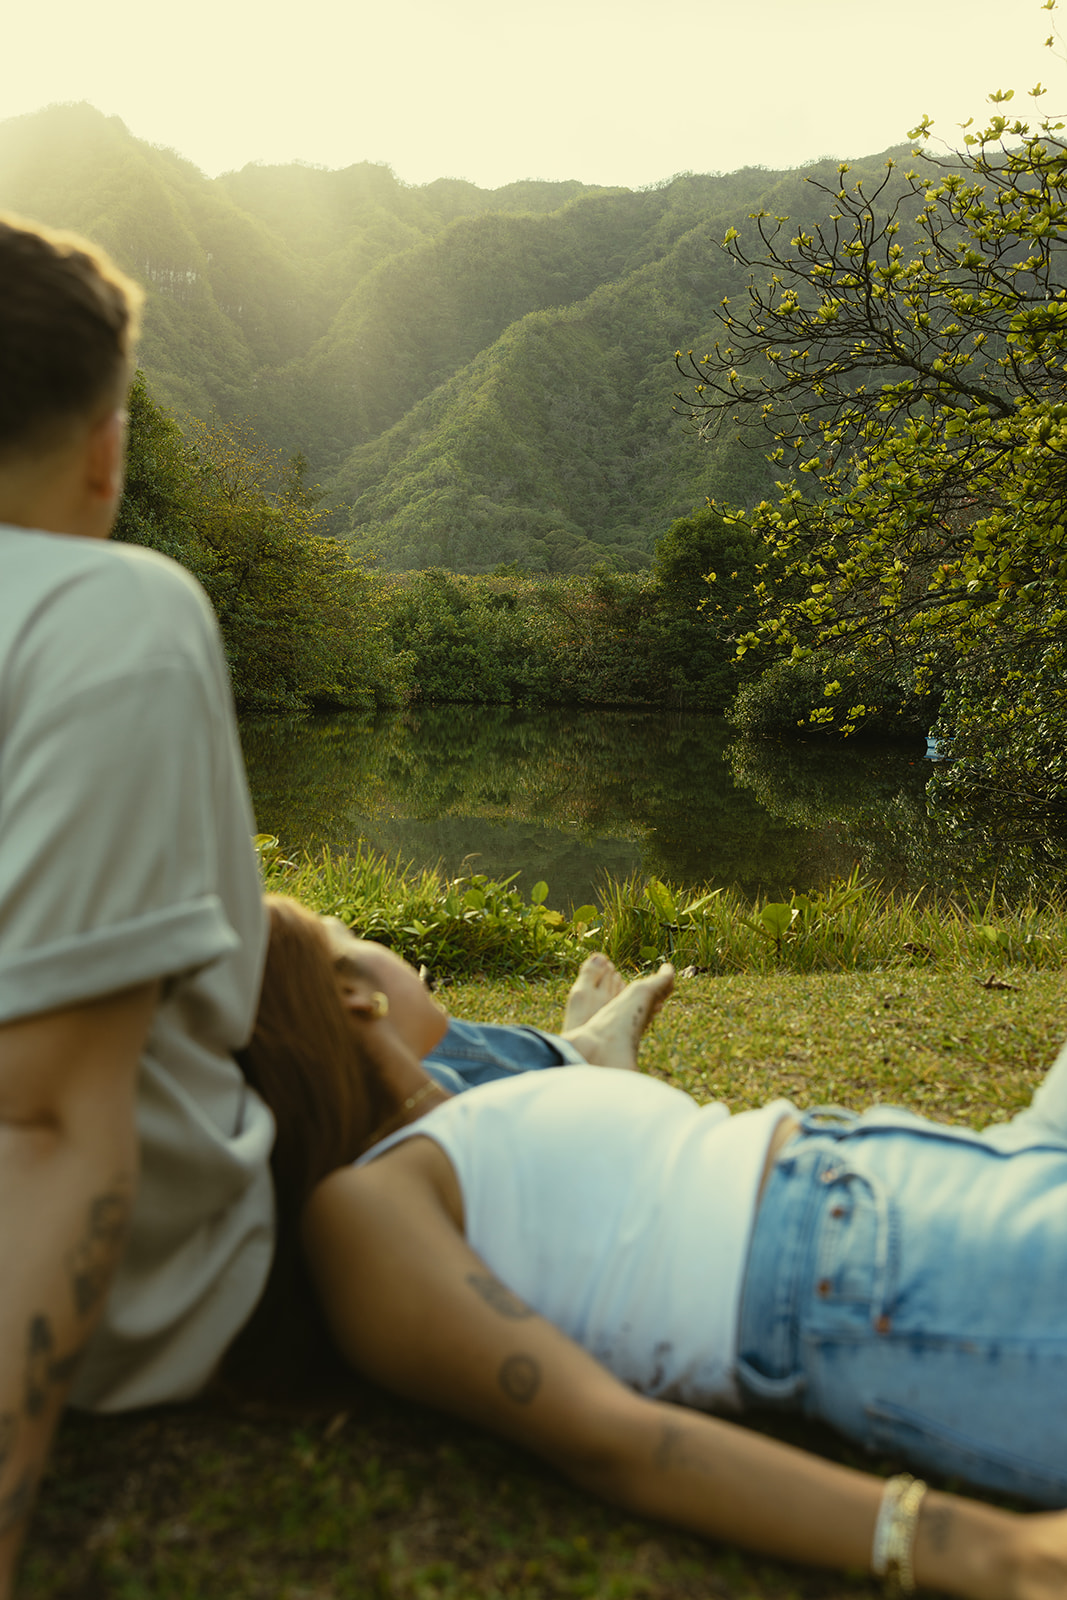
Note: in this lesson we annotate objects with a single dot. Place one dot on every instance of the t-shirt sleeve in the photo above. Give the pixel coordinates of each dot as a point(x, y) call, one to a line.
point(108, 834)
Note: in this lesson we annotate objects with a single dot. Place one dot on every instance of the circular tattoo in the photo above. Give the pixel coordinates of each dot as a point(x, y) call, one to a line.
point(520, 1378)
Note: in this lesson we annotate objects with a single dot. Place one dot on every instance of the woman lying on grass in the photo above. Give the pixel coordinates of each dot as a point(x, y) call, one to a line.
point(589, 1263)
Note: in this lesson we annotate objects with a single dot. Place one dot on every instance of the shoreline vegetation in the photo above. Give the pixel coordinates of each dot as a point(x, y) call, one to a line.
point(955, 1009)
point(475, 926)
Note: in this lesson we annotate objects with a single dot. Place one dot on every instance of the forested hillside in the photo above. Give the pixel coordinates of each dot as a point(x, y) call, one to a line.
point(475, 377)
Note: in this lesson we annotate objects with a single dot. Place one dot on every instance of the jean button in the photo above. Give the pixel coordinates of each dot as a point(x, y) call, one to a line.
point(823, 1287)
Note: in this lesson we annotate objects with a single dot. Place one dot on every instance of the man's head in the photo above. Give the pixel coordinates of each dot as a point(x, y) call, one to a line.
point(68, 322)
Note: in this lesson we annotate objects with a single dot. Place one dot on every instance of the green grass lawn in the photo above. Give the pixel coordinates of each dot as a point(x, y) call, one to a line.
point(367, 1497)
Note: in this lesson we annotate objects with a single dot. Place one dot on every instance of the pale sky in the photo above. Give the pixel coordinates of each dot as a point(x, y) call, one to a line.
point(617, 92)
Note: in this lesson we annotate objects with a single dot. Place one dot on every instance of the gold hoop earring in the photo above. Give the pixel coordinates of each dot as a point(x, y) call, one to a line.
point(379, 1004)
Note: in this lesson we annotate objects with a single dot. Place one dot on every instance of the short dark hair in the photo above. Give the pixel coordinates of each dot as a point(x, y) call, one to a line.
point(68, 322)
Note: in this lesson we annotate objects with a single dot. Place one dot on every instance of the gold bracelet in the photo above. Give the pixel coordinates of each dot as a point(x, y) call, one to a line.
point(894, 1533)
point(399, 1116)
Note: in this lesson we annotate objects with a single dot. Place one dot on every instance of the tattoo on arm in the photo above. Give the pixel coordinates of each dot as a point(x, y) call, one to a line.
point(92, 1261)
point(39, 1346)
point(520, 1378)
point(43, 1373)
point(90, 1264)
point(8, 1429)
point(62, 1370)
point(678, 1451)
point(671, 1447)
point(499, 1296)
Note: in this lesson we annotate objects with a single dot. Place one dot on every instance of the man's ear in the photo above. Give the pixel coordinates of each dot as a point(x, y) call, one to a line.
point(105, 457)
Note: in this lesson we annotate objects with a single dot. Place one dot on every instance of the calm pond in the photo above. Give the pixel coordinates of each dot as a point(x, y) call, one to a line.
point(568, 795)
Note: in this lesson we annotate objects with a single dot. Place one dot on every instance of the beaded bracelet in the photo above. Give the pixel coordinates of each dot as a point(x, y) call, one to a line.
point(894, 1533)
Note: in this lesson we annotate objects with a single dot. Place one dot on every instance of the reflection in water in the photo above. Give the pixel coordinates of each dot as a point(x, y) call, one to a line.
point(568, 795)
point(907, 827)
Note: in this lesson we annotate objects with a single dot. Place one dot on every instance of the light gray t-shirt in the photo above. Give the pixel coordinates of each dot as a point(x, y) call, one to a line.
point(126, 855)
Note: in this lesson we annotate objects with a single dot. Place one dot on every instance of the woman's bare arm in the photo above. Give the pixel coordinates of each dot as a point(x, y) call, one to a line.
point(413, 1307)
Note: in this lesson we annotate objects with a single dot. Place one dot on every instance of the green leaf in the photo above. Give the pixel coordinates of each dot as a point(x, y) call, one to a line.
point(662, 900)
point(776, 919)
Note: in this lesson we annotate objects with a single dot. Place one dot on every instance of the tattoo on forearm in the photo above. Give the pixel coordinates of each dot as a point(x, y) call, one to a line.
point(679, 1451)
point(63, 1370)
point(8, 1429)
point(44, 1370)
point(92, 1261)
point(670, 1450)
point(499, 1296)
point(520, 1378)
point(90, 1265)
point(39, 1347)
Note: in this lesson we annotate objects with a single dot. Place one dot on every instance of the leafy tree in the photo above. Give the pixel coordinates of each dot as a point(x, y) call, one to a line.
point(301, 622)
point(159, 491)
point(704, 572)
point(908, 354)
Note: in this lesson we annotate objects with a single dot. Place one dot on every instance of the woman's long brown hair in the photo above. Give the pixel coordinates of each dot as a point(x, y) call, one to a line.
point(305, 1062)
point(304, 1059)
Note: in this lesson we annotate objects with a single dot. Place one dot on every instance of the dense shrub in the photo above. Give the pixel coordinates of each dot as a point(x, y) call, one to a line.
point(665, 637)
point(302, 624)
point(779, 702)
point(605, 639)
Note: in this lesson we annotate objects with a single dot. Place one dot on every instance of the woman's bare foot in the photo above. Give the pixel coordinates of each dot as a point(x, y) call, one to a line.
point(598, 981)
point(611, 1036)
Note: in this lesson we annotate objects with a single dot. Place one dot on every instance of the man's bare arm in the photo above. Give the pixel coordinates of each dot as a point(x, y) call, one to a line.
point(68, 1167)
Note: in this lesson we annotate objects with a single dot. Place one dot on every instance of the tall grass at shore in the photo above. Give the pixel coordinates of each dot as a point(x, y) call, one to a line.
point(477, 925)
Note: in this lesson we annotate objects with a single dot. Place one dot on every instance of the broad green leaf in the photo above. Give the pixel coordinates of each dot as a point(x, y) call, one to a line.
point(662, 900)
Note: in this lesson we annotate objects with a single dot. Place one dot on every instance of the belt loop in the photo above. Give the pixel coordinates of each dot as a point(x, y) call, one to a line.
point(833, 1121)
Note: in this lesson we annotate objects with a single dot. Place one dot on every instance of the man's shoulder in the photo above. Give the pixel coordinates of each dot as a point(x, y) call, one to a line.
point(56, 562)
point(106, 603)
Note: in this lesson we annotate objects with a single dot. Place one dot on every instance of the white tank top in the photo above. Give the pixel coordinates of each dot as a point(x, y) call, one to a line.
point(619, 1209)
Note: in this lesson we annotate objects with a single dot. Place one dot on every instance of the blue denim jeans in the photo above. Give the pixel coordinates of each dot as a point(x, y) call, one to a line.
point(472, 1053)
point(907, 1283)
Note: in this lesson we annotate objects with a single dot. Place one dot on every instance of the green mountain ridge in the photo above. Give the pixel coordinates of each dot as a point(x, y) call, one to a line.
point(474, 376)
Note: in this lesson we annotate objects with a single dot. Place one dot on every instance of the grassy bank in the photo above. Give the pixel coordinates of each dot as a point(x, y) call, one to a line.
point(366, 1497)
point(474, 925)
